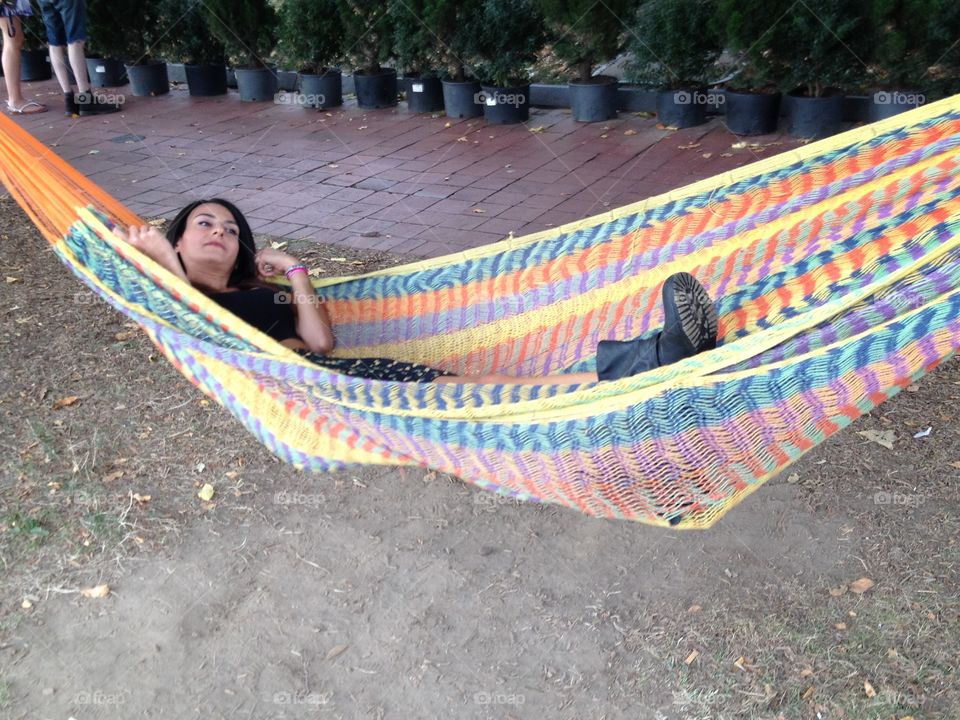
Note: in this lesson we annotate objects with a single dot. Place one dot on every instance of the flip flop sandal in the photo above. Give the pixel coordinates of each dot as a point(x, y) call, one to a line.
point(23, 109)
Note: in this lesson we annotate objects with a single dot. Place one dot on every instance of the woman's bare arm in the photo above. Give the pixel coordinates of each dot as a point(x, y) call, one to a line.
point(154, 244)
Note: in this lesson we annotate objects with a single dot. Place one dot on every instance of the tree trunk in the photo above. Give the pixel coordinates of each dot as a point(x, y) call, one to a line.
point(585, 67)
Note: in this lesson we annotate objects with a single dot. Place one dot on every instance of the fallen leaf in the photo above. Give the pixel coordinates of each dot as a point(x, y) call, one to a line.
point(693, 609)
point(462, 139)
point(26, 604)
point(739, 145)
point(741, 663)
point(121, 336)
point(661, 126)
point(446, 124)
point(115, 475)
point(100, 591)
point(861, 586)
point(604, 135)
point(206, 492)
point(808, 693)
point(840, 626)
point(630, 132)
point(66, 402)
point(142, 499)
point(884, 437)
point(913, 388)
point(868, 689)
point(277, 245)
point(691, 146)
point(478, 210)
point(726, 154)
point(538, 129)
point(12, 280)
point(793, 478)
point(93, 152)
point(692, 656)
point(838, 591)
point(707, 156)
point(806, 672)
point(336, 650)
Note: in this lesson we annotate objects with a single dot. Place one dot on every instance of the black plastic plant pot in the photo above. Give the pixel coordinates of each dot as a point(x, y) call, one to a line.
point(257, 84)
point(106, 72)
point(206, 80)
point(176, 72)
point(34, 65)
point(424, 94)
point(887, 103)
point(505, 105)
point(750, 113)
point(322, 91)
point(814, 117)
point(682, 108)
point(595, 100)
point(149, 79)
point(461, 99)
point(376, 90)
point(287, 80)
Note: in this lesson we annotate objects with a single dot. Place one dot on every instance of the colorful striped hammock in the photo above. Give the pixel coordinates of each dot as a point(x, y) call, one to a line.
point(835, 269)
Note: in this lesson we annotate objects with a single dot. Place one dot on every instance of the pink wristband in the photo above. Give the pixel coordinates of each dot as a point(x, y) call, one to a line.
point(295, 269)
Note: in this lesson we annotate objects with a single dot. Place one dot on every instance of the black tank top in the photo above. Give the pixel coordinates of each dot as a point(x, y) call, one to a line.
point(267, 310)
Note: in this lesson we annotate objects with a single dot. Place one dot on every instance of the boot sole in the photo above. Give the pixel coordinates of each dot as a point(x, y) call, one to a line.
point(698, 316)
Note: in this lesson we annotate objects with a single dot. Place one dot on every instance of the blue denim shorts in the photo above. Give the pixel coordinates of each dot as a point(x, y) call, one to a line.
point(66, 21)
point(21, 8)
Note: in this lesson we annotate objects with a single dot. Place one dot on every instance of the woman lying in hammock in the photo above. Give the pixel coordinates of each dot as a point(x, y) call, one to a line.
point(210, 245)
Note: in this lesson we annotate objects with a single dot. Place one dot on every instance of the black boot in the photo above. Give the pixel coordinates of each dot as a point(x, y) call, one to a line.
point(690, 319)
point(690, 327)
point(622, 358)
point(70, 104)
point(89, 103)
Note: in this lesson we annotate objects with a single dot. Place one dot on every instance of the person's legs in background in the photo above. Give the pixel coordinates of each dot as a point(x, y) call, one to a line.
point(12, 29)
point(67, 33)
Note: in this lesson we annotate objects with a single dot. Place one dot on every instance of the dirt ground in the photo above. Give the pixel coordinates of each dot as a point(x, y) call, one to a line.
point(389, 593)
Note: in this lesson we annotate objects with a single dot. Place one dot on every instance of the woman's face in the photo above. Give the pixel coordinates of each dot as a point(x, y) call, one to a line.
point(210, 239)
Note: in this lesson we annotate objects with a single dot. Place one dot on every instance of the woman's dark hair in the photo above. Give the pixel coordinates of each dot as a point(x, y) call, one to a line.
point(245, 271)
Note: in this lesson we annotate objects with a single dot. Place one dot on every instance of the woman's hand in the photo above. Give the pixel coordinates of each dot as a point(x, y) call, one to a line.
point(154, 244)
point(273, 262)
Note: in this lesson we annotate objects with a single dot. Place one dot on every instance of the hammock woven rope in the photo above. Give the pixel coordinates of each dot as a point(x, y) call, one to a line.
point(835, 269)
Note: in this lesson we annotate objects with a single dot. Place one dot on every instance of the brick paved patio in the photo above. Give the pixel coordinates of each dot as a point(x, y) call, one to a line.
point(381, 179)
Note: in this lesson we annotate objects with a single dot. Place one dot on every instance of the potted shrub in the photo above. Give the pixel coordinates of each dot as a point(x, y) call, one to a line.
point(897, 50)
point(809, 50)
point(367, 32)
point(675, 46)
point(311, 38)
point(140, 25)
point(752, 98)
point(191, 43)
point(413, 43)
point(943, 29)
point(106, 44)
point(449, 22)
point(247, 29)
point(34, 59)
point(585, 33)
point(504, 36)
